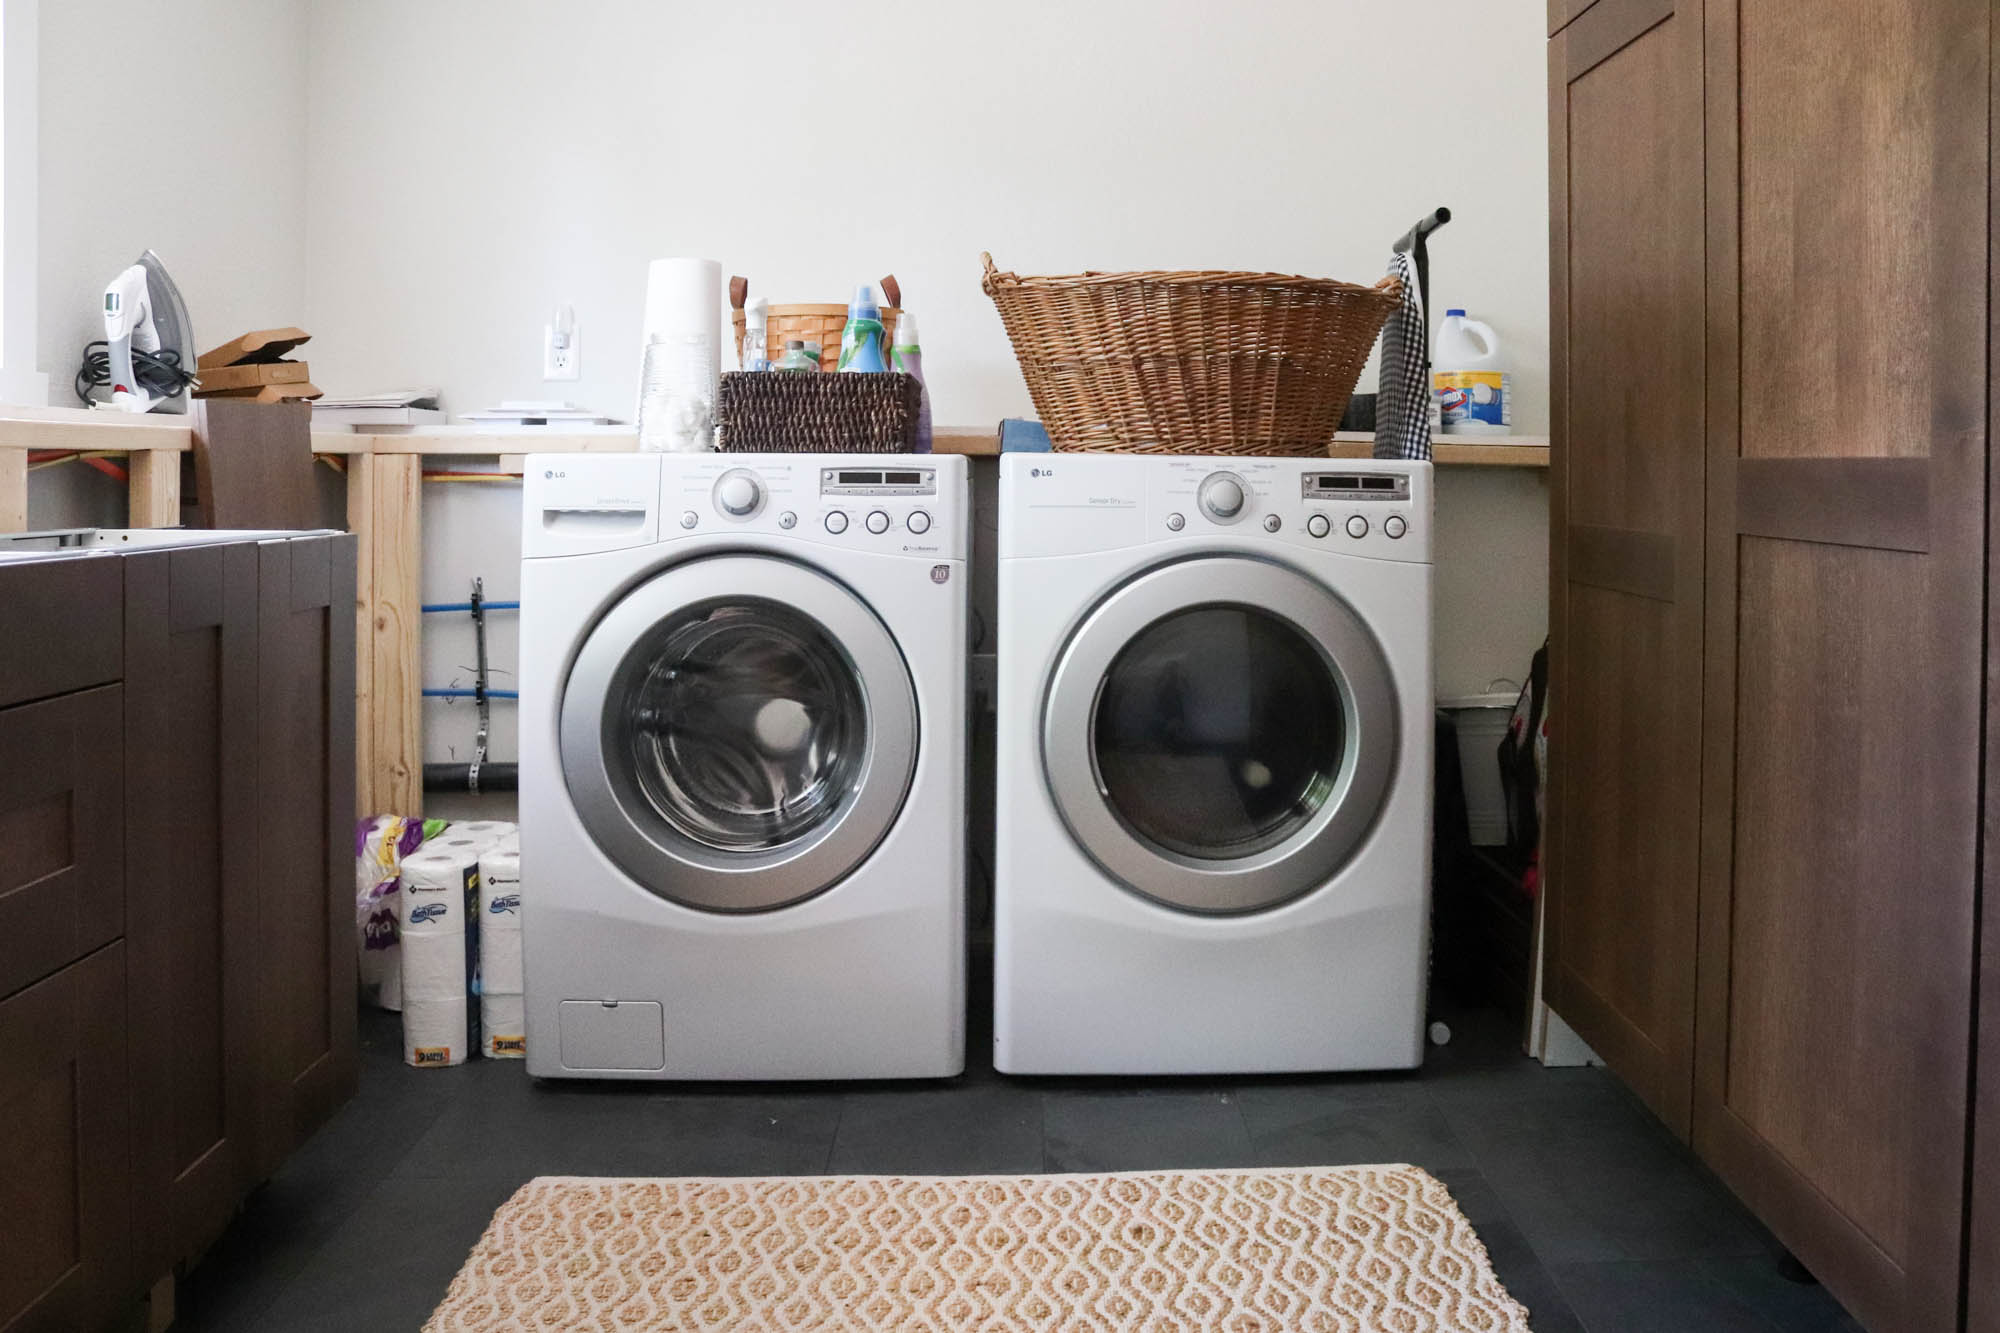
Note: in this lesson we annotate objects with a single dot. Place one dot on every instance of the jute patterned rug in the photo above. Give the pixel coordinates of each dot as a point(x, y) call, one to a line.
point(1360, 1249)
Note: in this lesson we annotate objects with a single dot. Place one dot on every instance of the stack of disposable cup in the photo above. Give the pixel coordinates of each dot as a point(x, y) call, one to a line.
point(680, 365)
point(503, 1014)
point(440, 929)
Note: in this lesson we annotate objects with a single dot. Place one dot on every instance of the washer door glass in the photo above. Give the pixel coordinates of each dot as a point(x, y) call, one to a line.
point(738, 733)
point(1219, 732)
point(745, 727)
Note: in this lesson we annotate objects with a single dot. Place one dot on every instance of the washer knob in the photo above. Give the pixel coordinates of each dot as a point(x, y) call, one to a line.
point(1318, 526)
point(919, 521)
point(690, 518)
point(1221, 496)
point(788, 520)
point(738, 493)
point(1272, 523)
point(836, 522)
point(1175, 522)
point(1357, 526)
point(877, 521)
point(1394, 525)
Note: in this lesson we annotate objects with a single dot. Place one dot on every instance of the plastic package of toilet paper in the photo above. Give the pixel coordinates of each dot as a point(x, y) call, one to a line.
point(437, 1032)
point(503, 1026)
point(380, 844)
point(440, 933)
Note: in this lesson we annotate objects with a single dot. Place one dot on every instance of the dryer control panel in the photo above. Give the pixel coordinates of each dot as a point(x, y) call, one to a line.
point(1055, 504)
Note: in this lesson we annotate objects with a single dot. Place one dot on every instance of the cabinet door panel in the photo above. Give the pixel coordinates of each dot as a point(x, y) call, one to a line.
point(1847, 466)
point(62, 881)
point(1626, 549)
point(192, 889)
point(65, 1227)
point(305, 831)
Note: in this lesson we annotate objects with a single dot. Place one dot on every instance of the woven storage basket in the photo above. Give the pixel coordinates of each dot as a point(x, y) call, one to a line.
point(822, 323)
point(1194, 363)
point(807, 412)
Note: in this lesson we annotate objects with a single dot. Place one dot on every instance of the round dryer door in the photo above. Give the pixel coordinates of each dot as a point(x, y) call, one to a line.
point(738, 733)
point(1219, 734)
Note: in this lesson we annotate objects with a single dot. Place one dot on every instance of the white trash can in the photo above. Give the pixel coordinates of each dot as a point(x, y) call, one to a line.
point(1481, 723)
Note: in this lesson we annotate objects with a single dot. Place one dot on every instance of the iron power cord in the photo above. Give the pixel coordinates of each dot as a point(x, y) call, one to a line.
point(159, 373)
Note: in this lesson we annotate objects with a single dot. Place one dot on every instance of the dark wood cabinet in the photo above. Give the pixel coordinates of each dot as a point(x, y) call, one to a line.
point(1625, 599)
point(65, 1224)
point(1773, 254)
point(191, 681)
point(305, 834)
point(176, 948)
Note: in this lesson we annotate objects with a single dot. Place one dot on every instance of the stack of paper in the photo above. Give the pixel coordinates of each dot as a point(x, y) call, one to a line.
point(533, 412)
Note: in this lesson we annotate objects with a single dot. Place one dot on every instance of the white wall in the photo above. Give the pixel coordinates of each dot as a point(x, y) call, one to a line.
point(477, 161)
point(175, 125)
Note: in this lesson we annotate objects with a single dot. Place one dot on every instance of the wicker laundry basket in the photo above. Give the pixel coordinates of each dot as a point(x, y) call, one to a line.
point(811, 412)
point(1208, 363)
point(821, 323)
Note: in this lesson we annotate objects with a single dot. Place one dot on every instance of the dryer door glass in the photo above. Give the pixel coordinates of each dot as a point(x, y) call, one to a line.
point(747, 728)
point(1218, 732)
point(738, 733)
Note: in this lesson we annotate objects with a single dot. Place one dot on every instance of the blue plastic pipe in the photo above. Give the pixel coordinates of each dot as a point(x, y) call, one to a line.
point(467, 606)
point(471, 694)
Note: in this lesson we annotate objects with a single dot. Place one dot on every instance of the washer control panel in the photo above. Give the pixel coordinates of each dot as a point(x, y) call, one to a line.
point(899, 508)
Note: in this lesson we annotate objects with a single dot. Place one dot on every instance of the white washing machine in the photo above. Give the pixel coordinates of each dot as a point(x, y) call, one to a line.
point(743, 766)
point(1214, 768)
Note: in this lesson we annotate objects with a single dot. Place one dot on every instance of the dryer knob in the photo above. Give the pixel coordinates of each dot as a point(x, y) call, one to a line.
point(738, 493)
point(1221, 496)
point(878, 521)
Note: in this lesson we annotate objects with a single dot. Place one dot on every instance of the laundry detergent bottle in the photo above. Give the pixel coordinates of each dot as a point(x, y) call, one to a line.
point(861, 347)
point(907, 354)
point(1472, 390)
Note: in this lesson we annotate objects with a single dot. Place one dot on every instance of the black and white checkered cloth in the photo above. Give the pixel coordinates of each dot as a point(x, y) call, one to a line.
point(1403, 399)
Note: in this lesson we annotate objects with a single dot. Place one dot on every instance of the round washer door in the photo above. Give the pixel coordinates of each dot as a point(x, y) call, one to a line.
point(738, 733)
point(1219, 734)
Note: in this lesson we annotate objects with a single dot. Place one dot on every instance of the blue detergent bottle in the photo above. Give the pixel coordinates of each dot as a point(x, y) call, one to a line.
point(861, 340)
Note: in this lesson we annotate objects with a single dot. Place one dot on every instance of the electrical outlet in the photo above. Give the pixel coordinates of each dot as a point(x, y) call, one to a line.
point(562, 346)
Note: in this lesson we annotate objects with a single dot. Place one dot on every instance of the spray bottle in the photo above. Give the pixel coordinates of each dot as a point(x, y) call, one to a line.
point(861, 340)
point(908, 357)
point(756, 323)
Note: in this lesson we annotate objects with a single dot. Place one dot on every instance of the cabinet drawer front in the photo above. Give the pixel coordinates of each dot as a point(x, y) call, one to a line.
point(61, 784)
point(61, 626)
point(64, 1186)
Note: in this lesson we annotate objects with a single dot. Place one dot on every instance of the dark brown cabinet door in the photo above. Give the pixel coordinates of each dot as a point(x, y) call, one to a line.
point(192, 897)
point(1847, 170)
point(62, 884)
point(65, 1224)
point(1625, 597)
point(305, 833)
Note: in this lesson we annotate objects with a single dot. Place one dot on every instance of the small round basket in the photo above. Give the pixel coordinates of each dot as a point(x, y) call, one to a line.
point(1190, 363)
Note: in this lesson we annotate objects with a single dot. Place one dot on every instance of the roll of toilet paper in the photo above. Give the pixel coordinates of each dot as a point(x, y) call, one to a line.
point(436, 1032)
point(500, 962)
point(436, 967)
point(440, 886)
point(503, 1026)
point(500, 887)
point(489, 831)
point(683, 296)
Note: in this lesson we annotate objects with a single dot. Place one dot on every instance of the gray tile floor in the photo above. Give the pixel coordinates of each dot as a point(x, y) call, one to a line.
point(1595, 1218)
